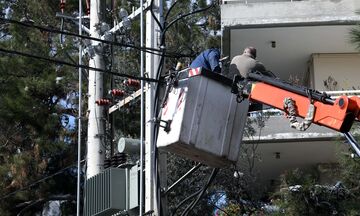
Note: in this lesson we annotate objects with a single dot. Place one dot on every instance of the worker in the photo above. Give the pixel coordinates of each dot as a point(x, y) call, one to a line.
point(247, 63)
point(208, 59)
point(243, 65)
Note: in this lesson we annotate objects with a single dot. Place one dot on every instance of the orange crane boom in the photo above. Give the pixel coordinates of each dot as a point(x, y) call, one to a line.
point(314, 106)
point(338, 116)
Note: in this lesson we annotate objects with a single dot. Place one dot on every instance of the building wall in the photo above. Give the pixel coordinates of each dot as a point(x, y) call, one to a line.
point(283, 12)
point(300, 29)
point(335, 71)
point(294, 46)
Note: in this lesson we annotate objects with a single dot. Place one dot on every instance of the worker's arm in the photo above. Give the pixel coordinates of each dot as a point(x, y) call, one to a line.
point(213, 58)
point(259, 67)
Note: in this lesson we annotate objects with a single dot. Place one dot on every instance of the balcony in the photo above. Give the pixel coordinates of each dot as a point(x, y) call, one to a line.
point(278, 148)
point(305, 42)
point(255, 1)
point(287, 34)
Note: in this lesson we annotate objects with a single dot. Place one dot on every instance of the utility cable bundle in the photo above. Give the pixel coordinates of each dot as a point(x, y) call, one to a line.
point(52, 30)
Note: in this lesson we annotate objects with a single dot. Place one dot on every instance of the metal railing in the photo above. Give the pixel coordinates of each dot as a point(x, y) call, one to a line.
point(255, 1)
point(335, 94)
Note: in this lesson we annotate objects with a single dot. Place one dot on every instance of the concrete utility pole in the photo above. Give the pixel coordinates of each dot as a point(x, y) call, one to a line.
point(152, 62)
point(96, 124)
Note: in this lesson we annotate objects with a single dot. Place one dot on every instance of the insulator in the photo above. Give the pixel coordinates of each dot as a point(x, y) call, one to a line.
point(103, 102)
point(132, 83)
point(87, 7)
point(117, 92)
point(107, 163)
point(62, 5)
point(118, 159)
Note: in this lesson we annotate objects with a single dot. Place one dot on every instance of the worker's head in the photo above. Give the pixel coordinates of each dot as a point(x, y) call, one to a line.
point(251, 51)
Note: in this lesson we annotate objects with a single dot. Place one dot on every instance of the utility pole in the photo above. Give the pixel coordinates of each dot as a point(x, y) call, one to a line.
point(96, 122)
point(153, 34)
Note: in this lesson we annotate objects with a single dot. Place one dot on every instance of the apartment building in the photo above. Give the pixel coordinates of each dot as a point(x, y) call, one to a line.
point(306, 42)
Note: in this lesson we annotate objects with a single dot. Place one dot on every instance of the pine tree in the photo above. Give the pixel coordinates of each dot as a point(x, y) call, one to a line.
point(36, 108)
point(36, 133)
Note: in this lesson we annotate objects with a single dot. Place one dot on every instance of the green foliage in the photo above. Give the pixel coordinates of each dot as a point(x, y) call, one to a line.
point(355, 35)
point(232, 209)
point(34, 139)
point(302, 194)
point(224, 187)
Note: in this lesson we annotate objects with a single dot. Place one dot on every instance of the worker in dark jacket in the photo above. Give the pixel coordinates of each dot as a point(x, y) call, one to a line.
point(208, 59)
point(247, 63)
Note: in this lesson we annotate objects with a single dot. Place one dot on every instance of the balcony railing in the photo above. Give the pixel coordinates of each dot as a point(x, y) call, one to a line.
point(335, 94)
point(256, 1)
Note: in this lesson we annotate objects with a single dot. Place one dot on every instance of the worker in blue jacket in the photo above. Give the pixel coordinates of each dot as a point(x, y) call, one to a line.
point(208, 59)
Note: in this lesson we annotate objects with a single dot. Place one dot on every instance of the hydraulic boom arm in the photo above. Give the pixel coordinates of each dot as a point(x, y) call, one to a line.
point(314, 106)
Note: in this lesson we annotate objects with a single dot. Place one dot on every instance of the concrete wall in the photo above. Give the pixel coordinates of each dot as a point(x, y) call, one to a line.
point(311, 11)
point(294, 46)
point(256, 1)
point(339, 71)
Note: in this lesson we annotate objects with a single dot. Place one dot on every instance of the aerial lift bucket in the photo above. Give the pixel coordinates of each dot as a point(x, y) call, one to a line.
point(204, 121)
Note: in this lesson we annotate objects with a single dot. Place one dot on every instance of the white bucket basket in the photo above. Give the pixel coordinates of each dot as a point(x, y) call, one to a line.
point(205, 121)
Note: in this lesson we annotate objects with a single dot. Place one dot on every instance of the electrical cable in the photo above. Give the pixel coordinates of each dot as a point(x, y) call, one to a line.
point(192, 205)
point(26, 209)
point(184, 201)
point(61, 40)
point(162, 45)
point(157, 110)
point(39, 181)
point(142, 114)
point(192, 170)
point(52, 30)
point(13, 52)
point(170, 9)
point(188, 14)
point(153, 15)
point(80, 71)
point(220, 209)
point(111, 118)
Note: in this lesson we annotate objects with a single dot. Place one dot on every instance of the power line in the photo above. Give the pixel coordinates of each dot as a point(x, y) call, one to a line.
point(192, 205)
point(186, 15)
point(38, 181)
point(52, 30)
point(56, 61)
